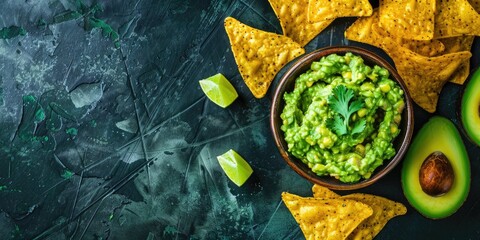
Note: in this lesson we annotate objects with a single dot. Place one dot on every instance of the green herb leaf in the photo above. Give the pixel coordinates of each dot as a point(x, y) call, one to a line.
point(339, 101)
point(337, 125)
point(359, 126)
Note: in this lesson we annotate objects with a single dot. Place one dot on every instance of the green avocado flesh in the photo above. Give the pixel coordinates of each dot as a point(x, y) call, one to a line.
point(438, 134)
point(471, 108)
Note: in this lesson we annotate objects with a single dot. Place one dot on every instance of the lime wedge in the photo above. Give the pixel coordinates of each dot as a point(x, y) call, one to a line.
point(235, 167)
point(219, 90)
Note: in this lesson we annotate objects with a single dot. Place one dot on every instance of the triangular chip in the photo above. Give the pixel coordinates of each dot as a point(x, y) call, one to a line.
point(362, 30)
point(461, 74)
point(424, 76)
point(326, 219)
point(456, 18)
point(458, 44)
point(428, 48)
point(409, 19)
point(383, 210)
point(259, 54)
point(293, 19)
point(323, 192)
point(321, 10)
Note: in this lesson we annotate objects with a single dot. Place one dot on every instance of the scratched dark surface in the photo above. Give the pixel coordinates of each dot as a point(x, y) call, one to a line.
point(107, 136)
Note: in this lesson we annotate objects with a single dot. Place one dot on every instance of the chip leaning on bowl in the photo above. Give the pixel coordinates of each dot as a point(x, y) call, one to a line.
point(342, 117)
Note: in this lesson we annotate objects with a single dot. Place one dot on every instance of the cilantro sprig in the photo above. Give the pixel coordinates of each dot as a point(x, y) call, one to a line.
point(341, 102)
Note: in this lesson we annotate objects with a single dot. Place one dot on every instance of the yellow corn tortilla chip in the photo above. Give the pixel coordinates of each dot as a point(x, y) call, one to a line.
point(292, 15)
point(457, 44)
point(259, 54)
point(456, 18)
point(323, 192)
point(321, 10)
point(383, 210)
point(409, 19)
point(362, 30)
point(367, 30)
point(461, 74)
point(424, 76)
point(427, 48)
point(326, 219)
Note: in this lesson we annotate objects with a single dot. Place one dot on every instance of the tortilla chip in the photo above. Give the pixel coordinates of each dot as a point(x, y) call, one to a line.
point(461, 74)
point(424, 76)
point(259, 54)
point(411, 20)
point(321, 10)
point(362, 30)
point(458, 44)
point(383, 210)
point(323, 192)
point(428, 48)
point(293, 19)
point(326, 218)
point(456, 18)
point(368, 31)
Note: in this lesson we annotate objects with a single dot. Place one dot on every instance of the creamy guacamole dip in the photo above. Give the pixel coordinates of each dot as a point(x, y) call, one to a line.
point(342, 117)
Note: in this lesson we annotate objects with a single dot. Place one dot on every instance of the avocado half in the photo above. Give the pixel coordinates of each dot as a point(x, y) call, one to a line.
point(470, 108)
point(438, 134)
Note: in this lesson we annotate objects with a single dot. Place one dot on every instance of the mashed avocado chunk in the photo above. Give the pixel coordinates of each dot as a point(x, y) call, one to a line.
point(342, 117)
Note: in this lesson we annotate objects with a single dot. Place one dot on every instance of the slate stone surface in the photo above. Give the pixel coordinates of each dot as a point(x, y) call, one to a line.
point(106, 134)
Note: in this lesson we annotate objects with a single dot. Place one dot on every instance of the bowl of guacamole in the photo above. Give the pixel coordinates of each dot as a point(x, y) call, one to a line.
point(342, 117)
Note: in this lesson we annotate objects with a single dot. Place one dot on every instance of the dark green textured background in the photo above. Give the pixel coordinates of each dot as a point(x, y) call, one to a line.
point(107, 135)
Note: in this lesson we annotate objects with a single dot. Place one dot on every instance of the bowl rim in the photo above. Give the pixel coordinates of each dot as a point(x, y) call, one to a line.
point(275, 111)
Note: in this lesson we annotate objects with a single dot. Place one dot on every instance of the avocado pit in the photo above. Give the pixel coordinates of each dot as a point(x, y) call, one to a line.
point(436, 174)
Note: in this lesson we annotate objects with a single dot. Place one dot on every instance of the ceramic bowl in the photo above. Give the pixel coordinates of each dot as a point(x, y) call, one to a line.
point(286, 84)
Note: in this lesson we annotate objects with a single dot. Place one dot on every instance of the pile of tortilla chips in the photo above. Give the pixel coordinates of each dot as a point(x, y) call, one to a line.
point(429, 42)
point(330, 216)
point(260, 55)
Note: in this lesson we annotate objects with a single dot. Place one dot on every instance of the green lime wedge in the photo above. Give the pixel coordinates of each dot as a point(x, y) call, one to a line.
point(235, 167)
point(219, 90)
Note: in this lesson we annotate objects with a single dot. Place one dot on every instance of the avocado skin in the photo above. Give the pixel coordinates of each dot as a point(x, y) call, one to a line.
point(438, 134)
point(470, 109)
